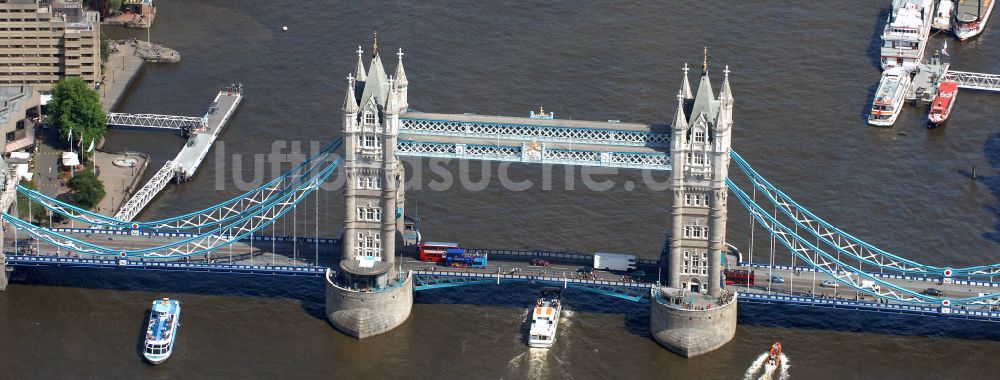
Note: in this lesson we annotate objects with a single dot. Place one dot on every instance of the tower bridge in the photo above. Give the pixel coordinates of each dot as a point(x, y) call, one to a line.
point(370, 284)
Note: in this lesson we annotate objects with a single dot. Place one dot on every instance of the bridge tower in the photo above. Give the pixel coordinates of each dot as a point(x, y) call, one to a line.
point(693, 314)
point(367, 296)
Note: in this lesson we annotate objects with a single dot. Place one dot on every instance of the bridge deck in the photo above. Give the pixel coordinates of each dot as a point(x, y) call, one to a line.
point(511, 120)
point(152, 121)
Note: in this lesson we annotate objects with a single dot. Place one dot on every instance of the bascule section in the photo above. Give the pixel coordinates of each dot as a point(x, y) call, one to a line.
point(367, 296)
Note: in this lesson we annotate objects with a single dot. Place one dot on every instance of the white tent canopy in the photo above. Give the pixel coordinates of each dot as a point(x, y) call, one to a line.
point(70, 159)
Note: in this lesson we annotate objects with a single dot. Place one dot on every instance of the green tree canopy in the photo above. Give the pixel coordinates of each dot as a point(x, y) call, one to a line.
point(76, 108)
point(87, 189)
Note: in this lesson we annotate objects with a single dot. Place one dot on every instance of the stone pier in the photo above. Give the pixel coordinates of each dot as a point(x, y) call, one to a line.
point(362, 313)
point(691, 329)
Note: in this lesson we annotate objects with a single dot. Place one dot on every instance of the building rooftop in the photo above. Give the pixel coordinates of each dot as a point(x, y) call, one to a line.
point(11, 99)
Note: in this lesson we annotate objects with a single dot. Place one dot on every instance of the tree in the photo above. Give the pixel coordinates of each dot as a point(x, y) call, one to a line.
point(76, 110)
point(87, 189)
point(39, 215)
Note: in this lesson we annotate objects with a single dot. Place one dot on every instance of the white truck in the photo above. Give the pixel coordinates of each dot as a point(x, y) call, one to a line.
point(614, 261)
point(870, 285)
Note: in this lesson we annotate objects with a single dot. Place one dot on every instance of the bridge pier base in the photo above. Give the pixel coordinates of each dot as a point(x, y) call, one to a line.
point(364, 313)
point(690, 332)
point(4, 270)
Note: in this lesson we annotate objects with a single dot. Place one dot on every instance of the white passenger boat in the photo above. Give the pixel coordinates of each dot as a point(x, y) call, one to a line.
point(889, 97)
point(942, 15)
point(164, 320)
point(904, 37)
point(545, 318)
point(971, 17)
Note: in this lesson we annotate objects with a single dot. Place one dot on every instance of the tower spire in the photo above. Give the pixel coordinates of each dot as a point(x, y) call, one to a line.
point(726, 94)
point(704, 62)
point(680, 119)
point(359, 72)
point(400, 73)
point(350, 103)
point(375, 44)
point(686, 84)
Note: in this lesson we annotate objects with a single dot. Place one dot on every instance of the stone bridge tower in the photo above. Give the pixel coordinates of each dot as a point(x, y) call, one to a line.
point(367, 296)
point(700, 157)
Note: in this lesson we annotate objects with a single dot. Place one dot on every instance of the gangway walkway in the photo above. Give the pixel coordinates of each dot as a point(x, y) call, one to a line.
point(974, 81)
point(191, 155)
point(153, 121)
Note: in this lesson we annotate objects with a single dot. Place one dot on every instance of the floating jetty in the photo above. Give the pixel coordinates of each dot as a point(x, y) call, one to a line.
point(187, 161)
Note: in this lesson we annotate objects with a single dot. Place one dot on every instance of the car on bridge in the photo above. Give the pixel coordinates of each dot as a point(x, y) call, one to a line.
point(829, 284)
point(933, 292)
point(538, 262)
point(777, 279)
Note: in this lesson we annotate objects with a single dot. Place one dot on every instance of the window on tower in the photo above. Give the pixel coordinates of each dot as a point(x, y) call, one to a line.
point(369, 118)
point(699, 136)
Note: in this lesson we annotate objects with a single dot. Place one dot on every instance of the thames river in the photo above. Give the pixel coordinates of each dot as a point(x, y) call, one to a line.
point(802, 73)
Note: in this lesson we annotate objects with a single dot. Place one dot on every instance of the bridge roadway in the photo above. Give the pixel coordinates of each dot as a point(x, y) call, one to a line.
point(802, 284)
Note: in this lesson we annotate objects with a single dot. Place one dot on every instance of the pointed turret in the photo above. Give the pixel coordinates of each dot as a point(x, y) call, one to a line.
point(400, 73)
point(686, 85)
point(726, 94)
point(680, 119)
point(359, 72)
point(350, 103)
point(377, 85)
point(392, 101)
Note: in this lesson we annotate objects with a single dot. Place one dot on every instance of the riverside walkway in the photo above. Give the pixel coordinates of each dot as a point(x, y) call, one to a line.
point(187, 161)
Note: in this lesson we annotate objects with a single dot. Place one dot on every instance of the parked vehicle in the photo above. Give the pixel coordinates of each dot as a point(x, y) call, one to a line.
point(614, 261)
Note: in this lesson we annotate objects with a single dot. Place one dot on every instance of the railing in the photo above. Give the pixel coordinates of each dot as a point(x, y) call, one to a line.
point(974, 81)
point(31, 260)
point(540, 133)
point(625, 160)
point(526, 277)
point(145, 120)
point(146, 194)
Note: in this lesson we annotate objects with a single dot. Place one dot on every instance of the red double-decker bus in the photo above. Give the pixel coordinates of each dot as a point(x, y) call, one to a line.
point(435, 251)
point(738, 277)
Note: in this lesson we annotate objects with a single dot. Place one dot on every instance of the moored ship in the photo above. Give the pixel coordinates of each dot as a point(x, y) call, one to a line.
point(545, 318)
point(943, 14)
point(971, 17)
point(164, 320)
point(889, 97)
point(905, 35)
point(943, 103)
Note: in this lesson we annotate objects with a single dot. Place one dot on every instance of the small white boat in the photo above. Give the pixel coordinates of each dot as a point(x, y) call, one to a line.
point(545, 318)
point(889, 97)
point(942, 16)
point(164, 320)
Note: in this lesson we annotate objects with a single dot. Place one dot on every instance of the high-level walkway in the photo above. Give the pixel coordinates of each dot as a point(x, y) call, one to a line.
point(530, 140)
point(186, 163)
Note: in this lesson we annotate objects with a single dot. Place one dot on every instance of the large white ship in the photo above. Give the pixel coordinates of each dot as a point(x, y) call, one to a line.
point(905, 34)
point(971, 17)
point(889, 97)
point(545, 318)
point(943, 15)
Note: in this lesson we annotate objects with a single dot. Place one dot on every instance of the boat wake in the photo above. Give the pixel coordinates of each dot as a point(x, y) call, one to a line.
point(759, 370)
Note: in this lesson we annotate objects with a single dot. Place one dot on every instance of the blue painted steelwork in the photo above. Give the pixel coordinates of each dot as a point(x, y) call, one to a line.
point(19, 260)
point(71, 244)
point(426, 280)
point(202, 218)
point(98, 231)
point(842, 272)
point(540, 133)
point(870, 254)
point(624, 160)
point(932, 311)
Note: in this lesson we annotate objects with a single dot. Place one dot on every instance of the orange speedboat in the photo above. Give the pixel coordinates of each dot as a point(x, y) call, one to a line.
point(774, 356)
